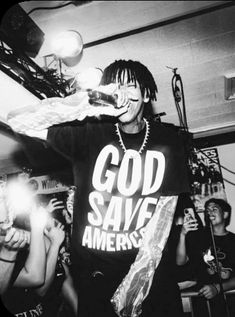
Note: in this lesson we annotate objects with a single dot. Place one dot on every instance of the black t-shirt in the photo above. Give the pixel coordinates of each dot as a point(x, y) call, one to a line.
point(201, 252)
point(117, 192)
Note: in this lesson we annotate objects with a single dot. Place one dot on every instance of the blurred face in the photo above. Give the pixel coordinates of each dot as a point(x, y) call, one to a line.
point(133, 92)
point(3, 211)
point(4, 224)
point(216, 214)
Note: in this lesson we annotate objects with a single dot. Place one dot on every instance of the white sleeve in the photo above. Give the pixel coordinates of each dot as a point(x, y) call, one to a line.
point(38, 134)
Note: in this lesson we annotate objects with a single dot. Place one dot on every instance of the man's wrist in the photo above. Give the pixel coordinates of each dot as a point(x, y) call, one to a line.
point(55, 244)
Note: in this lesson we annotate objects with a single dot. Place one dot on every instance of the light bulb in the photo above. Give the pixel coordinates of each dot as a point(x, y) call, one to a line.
point(68, 46)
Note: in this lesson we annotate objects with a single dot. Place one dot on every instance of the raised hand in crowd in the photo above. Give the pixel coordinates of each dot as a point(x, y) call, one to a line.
point(189, 224)
point(58, 280)
point(55, 234)
point(33, 272)
point(54, 237)
point(54, 204)
point(30, 268)
point(14, 240)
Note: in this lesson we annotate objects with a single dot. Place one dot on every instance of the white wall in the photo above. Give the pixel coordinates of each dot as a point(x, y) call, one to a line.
point(13, 95)
point(227, 159)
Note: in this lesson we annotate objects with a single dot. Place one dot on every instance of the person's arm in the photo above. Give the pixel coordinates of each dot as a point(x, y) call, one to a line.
point(56, 236)
point(181, 252)
point(228, 285)
point(14, 240)
point(34, 120)
point(33, 272)
point(211, 290)
point(69, 292)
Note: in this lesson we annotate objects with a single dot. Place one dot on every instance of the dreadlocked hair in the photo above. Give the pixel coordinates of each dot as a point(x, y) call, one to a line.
point(135, 71)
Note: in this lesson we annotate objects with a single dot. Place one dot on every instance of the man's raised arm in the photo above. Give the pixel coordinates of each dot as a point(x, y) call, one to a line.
point(36, 119)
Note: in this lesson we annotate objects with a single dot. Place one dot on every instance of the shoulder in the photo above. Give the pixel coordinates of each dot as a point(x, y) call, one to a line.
point(78, 130)
point(166, 131)
point(88, 124)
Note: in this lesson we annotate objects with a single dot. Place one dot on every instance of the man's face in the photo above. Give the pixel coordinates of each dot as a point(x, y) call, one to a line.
point(216, 214)
point(136, 107)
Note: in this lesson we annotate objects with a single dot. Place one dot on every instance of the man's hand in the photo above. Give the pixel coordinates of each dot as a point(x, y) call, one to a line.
point(189, 225)
point(54, 204)
point(15, 239)
point(97, 110)
point(208, 291)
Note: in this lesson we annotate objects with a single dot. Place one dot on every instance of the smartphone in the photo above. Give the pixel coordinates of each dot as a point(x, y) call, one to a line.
point(189, 213)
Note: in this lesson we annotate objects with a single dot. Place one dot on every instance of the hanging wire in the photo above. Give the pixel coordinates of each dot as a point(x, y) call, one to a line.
point(51, 8)
point(227, 181)
point(178, 93)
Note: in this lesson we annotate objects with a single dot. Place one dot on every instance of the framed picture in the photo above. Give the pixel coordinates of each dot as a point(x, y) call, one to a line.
point(206, 177)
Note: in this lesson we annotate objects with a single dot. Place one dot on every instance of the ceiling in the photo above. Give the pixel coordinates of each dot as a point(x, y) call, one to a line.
point(196, 37)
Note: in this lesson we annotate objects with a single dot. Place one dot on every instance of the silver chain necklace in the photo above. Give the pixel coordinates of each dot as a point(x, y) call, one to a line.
point(145, 137)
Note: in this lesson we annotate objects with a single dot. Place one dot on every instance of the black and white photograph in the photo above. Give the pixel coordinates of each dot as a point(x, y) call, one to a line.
point(117, 171)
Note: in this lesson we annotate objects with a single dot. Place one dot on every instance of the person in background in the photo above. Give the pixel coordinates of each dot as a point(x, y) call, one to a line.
point(14, 240)
point(57, 293)
point(63, 214)
point(29, 271)
point(11, 241)
point(212, 280)
point(185, 215)
point(129, 170)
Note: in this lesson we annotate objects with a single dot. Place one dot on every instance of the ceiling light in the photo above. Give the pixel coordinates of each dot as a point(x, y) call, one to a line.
point(68, 47)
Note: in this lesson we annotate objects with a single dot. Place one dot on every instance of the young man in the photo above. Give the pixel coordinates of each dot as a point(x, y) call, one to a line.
point(128, 172)
point(201, 251)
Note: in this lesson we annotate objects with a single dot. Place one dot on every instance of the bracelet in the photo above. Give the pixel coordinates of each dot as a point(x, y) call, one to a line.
point(8, 261)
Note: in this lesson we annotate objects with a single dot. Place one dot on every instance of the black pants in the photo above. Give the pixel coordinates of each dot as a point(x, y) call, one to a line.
point(96, 290)
point(217, 306)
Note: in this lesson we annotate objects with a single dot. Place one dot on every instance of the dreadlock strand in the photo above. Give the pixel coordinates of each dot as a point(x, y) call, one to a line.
point(133, 71)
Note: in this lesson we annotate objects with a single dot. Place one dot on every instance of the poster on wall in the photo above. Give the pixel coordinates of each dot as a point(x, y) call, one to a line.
point(206, 177)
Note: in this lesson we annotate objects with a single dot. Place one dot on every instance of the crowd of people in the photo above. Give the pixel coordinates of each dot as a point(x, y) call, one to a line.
point(35, 277)
point(132, 243)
